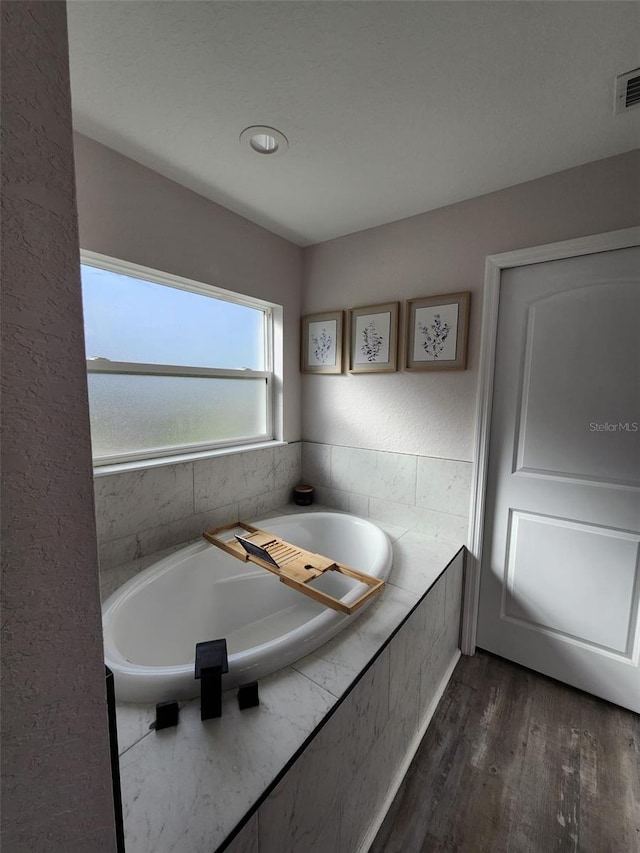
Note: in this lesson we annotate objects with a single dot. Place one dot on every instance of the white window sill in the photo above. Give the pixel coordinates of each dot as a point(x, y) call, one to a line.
point(142, 464)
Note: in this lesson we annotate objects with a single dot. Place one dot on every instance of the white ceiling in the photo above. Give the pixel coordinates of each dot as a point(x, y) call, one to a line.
point(391, 108)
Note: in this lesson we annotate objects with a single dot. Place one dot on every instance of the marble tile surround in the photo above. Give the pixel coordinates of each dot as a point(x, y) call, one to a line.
point(422, 493)
point(171, 780)
point(333, 797)
point(142, 511)
point(186, 788)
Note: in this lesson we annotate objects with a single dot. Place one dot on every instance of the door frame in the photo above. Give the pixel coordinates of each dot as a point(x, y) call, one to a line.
point(494, 265)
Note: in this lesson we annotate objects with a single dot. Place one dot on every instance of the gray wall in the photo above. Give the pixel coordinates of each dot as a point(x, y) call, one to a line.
point(433, 414)
point(134, 214)
point(55, 761)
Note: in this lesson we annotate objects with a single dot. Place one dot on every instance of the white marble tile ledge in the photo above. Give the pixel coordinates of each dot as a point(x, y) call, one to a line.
point(179, 458)
point(187, 788)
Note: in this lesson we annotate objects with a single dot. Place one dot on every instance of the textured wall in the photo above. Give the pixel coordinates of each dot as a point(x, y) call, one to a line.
point(55, 760)
point(432, 414)
point(131, 213)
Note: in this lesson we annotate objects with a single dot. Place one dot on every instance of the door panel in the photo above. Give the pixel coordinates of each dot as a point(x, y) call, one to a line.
point(574, 349)
point(544, 558)
point(560, 579)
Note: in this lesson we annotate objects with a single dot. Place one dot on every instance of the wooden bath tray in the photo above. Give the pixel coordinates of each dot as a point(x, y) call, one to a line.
point(294, 566)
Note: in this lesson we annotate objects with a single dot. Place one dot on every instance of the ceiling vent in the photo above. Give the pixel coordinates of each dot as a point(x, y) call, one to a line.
point(628, 91)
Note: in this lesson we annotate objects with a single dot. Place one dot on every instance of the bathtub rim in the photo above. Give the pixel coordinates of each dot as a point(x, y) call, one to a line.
point(326, 624)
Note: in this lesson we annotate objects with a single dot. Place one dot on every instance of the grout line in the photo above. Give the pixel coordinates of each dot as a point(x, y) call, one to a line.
point(140, 739)
point(415, 485)
point(330, 446)
point(393, 452)
point(317, 683)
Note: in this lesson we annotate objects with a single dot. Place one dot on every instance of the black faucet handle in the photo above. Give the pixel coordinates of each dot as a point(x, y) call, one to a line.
point(211, 663)
point(211, 655)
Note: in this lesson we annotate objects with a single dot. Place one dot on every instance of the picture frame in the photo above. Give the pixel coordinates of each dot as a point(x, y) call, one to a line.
point(373, 338)
point(437, 332)
point(321, 338)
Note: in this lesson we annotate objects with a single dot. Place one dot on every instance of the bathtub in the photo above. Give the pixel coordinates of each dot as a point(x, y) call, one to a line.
point(153, 622)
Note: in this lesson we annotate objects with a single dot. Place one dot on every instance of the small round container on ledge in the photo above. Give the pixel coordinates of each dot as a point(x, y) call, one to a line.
point(303, 495)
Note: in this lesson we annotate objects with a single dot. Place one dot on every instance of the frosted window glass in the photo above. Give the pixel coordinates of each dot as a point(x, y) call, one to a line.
point(131, 414)
point(129, 319)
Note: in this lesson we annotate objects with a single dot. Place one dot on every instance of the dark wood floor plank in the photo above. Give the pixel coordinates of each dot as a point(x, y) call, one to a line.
point(610, 779)
point(421, 794)
point(514, 762)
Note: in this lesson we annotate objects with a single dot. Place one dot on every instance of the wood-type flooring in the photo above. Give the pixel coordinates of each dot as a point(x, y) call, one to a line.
point(514, 762)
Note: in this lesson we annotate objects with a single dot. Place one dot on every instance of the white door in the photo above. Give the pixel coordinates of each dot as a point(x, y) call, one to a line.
point(560, 577)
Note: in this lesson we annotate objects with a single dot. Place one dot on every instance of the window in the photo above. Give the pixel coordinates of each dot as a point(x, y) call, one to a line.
point(173, 366)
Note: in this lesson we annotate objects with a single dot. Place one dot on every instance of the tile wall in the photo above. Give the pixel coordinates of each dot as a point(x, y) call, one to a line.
point(143, 511)
point(336, 794)
point(422, 493)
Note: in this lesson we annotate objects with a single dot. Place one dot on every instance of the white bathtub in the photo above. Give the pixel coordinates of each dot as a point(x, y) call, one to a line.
point(153, 622)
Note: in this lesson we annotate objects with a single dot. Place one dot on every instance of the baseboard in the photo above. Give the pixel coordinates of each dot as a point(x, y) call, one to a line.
point(408, 758)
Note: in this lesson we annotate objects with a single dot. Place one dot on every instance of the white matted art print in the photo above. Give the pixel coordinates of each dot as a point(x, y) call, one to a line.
point(437, 329)
point(321, 347)
point(435, 333)
point(321, 337)
point(374, 338)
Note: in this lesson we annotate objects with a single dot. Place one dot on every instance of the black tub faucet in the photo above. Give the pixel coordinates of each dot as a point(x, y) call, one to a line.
point(211, 663)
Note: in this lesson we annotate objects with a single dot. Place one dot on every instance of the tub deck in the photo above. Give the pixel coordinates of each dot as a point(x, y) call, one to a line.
point(192, 787)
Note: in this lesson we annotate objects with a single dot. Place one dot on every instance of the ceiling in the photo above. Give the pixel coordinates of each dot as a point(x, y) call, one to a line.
point(391, 108)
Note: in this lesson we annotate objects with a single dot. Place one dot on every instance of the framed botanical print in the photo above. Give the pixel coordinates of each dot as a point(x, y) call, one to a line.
point(373, 338)
point(321, 343)
point(437, 330)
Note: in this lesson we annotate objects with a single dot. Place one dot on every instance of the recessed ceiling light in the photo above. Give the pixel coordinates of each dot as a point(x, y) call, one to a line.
point(264, 140)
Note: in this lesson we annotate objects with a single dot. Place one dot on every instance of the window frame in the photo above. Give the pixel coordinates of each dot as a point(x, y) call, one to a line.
point(99, 365)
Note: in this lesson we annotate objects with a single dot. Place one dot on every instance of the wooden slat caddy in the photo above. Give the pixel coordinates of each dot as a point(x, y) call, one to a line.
point(294, 566)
